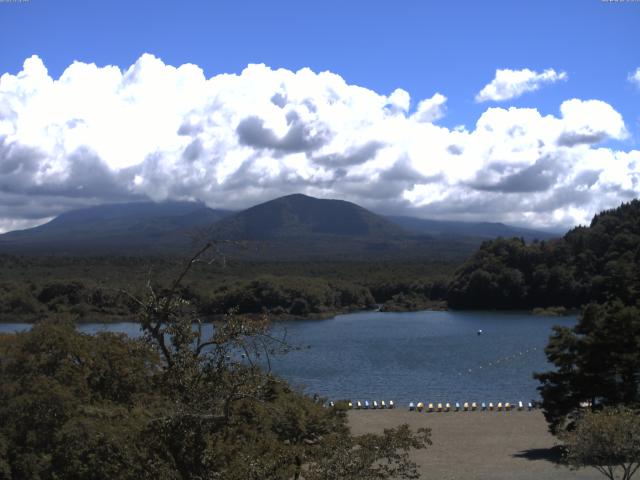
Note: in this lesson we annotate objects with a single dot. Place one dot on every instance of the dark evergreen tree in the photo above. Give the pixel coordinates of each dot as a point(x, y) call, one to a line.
point(597, 364)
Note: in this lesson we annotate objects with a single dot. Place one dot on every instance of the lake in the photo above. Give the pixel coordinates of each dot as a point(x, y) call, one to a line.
point(416, 356)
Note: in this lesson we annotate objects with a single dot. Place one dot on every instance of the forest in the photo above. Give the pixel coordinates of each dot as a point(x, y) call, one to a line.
point(598, 263)
point(100, 288)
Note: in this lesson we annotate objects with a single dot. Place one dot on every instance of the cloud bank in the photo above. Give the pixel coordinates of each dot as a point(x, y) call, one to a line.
point(509, 84)
point(154, 131)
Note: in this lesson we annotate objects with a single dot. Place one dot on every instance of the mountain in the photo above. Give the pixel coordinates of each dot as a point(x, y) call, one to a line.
point(141, 227)
point(299, 216)
point(486, 230)
point(295, 226)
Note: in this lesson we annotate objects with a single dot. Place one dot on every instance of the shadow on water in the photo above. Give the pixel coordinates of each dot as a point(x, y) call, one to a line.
point(553, 454)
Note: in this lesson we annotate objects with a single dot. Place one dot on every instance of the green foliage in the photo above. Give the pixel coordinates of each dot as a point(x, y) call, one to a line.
point(607, 440)
point(598, 263)
point(371, 457)
point(596, 364)
point(90, 288)
point(172, 405)
point(65, 397)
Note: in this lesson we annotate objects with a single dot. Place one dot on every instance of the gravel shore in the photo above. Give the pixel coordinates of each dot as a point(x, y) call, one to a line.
point(478, 445)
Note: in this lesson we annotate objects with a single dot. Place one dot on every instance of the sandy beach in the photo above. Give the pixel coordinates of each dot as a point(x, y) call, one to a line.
point(478, 445)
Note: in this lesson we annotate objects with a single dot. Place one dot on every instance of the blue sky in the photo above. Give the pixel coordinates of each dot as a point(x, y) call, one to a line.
point(422, 47)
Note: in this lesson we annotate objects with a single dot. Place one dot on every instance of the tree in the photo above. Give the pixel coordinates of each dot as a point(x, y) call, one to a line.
point(597, 364)
point(177, 404)
point(225, 405)
point(607, 440)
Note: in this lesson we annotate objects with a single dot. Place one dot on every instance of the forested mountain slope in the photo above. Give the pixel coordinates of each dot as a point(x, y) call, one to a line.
point(595, 263)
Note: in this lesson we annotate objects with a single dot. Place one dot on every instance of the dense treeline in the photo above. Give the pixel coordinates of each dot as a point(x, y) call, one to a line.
point(589, 264)
point(91, 288)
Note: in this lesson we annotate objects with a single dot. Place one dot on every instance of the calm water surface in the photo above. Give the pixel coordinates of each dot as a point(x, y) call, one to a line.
point(416, 356)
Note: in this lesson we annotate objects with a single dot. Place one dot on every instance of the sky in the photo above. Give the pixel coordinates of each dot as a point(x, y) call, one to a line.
point(521, 112)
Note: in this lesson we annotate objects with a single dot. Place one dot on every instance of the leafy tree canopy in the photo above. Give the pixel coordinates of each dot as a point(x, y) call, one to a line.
point(597, 263)
point(608, 440)
point(597, 363)
point(173, 405)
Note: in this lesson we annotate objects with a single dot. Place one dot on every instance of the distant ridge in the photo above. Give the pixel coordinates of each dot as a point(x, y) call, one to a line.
point(293, 226)
point(140, 227)
point(486, 230)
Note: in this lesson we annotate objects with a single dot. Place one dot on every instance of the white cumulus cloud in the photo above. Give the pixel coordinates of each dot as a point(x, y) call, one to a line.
point(634, 77)
point(431, 109)
point(155, 131)
point(509, 84)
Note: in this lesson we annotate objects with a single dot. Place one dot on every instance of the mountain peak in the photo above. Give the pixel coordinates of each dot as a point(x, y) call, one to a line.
point(300, 215)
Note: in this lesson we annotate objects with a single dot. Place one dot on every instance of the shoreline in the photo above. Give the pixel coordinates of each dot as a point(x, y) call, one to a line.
point(514, 445)
point(108, 319)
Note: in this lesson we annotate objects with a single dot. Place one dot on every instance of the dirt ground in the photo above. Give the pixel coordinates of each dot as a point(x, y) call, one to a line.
point(478, 445)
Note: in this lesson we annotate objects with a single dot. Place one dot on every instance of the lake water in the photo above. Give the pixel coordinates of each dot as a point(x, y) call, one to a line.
point(417, 356)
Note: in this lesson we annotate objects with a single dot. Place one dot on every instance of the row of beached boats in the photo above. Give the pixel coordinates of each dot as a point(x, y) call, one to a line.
point(469, 407)
point(441, 407)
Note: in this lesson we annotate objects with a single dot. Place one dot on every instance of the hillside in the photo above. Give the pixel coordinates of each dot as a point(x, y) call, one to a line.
point(302, 216)
point(292, 227)
point(484, 230)
point(141, 227)
point(595, 263)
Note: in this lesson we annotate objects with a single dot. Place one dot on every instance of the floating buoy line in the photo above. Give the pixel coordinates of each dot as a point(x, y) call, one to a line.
point(499, 362)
